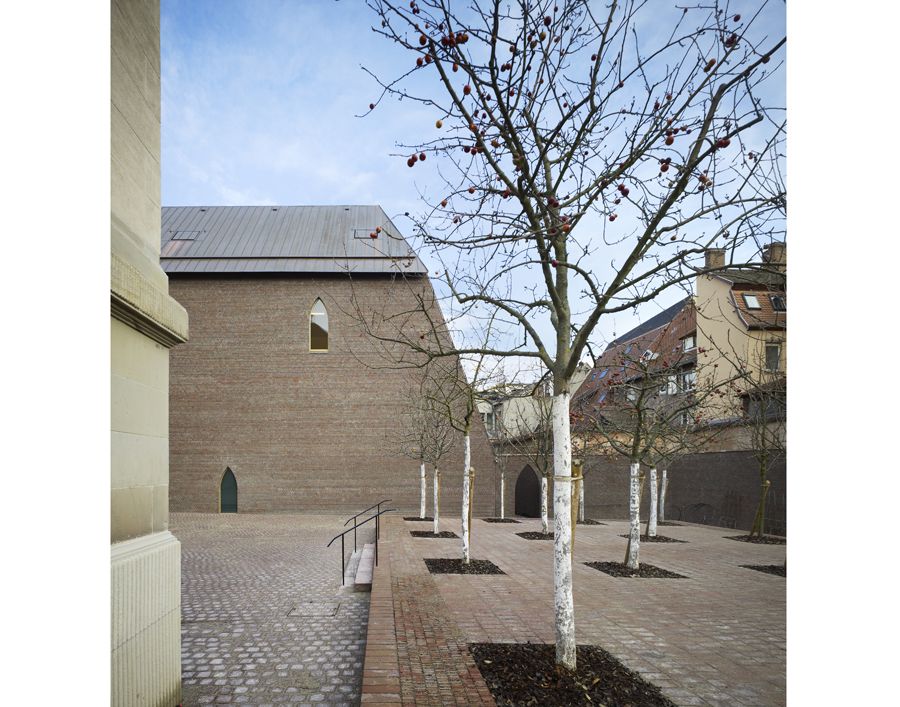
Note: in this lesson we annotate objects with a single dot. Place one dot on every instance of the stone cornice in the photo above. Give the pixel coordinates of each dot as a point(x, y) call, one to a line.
point(143, 306)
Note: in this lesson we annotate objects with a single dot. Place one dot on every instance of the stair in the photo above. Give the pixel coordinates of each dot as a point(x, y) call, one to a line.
point(363, 579)
point(349, 584)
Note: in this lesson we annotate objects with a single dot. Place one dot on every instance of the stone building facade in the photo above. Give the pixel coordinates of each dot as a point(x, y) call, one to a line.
point(146, 322)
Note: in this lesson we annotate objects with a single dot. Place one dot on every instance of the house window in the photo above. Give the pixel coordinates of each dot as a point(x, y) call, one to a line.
point(690, 342)
point(670, 386)
point(773, 357)
point(318, 327)
point(688, 381)
point(488, 419)
point(778, 303)
point(752, 301)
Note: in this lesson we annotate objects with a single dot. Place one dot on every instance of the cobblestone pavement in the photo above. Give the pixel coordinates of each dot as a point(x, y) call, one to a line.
point(716, 638)
point(263, 621)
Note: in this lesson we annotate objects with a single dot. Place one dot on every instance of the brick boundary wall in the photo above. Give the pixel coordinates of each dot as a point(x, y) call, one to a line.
point(727, 481)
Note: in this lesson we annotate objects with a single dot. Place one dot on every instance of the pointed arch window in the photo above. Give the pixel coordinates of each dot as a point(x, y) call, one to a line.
point(318, 327)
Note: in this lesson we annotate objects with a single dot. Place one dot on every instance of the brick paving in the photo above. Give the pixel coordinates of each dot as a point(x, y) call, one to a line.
point(263, 619)
point(717, 638)
point(258, 592)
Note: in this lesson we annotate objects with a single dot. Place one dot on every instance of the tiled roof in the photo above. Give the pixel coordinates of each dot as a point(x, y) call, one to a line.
point(765, 317)
point(753, 277)
point(654, 322)
point(662, 340)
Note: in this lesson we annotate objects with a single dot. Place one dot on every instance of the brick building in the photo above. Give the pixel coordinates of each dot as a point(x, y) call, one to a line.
point(280, 402)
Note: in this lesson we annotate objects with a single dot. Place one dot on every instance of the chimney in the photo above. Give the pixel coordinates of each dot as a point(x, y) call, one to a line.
point(715, 258)
point(776, 253)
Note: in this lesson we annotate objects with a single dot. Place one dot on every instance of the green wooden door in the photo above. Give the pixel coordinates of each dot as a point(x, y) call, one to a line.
point(228, 493)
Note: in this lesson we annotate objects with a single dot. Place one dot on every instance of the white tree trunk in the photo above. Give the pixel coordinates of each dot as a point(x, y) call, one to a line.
point(562, 535)
point(581, 501)
point(662, 495)
point(465, 502)
point(545, 520)
point(651, 524)
point(502, 494)
point(635, 514)
point(424, 493)
point(437, 496)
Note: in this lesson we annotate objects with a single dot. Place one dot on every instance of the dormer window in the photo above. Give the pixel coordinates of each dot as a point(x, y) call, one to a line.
point(690, 342)
point(318, 327)
point(778, 303)
point(752, 301)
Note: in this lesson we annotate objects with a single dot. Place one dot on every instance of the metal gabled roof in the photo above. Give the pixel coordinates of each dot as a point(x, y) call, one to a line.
point(279, 239)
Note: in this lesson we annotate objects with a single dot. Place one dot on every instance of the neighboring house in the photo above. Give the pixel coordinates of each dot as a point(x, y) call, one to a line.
point(734, 328)
point(732, 334)
point(742, 321)
point(281, 402)
point(146, 322)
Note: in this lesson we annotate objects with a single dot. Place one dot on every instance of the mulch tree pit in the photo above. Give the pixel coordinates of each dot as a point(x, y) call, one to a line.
point(432, 534)
point(531, 535)
point(499, 520)
point(590, 522)
point(656, 539)
point(764, 540)
point(527, 674)
point(446, 565)
point(426, 518)
point(778, 570)
point(670, 523)
point(618, 569)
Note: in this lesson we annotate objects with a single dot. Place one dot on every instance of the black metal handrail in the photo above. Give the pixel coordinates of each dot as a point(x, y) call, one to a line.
point(377, 505)
point(355, 526)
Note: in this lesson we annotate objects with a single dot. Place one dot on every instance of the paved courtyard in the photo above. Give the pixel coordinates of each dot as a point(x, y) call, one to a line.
point(263, 621)
point(716, 638)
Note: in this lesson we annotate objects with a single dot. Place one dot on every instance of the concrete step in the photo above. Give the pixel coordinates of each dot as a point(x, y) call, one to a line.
point(363, 581)
point(349, 584)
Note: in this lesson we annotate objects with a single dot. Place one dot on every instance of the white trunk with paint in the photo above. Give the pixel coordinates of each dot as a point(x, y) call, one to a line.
point(502, 494)
point(424, 490)
point(465, 501)
point(545, 519)
point(662, 495)
point(635, 515)
point(562, 540)
point(651, 526)
point(437, 494)
point(581, 501)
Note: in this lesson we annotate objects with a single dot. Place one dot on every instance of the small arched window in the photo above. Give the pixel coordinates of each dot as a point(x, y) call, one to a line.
point(318, 327)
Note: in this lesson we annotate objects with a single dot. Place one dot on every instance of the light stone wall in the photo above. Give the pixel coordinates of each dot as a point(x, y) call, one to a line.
point(145, 323)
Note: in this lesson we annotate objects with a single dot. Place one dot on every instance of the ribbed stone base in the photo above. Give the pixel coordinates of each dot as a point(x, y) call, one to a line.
point(146, 622)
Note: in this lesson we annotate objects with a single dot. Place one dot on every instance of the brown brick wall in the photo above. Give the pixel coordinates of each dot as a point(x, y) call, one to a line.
point(727, 481)
point(302, 431)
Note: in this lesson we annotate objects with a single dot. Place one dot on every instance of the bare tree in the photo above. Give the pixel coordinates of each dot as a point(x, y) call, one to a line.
point(455, 398)
point(650, 408)
point(412, 437)
point(549, 117)
point(760, 407)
